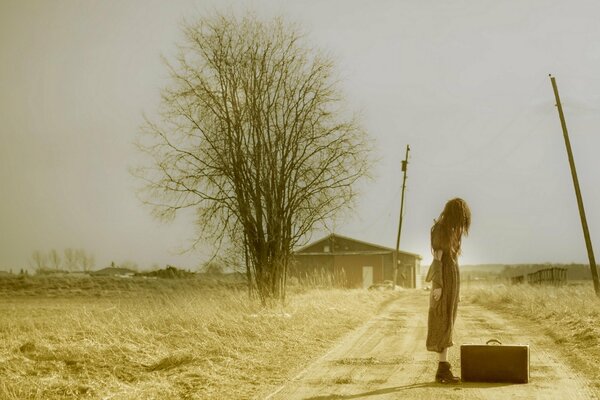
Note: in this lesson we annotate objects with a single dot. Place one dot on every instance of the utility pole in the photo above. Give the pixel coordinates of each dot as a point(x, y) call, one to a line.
point(586, 231)
point(395, 258)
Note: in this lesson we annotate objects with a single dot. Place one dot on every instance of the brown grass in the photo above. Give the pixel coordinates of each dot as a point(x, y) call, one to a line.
point(192, 343)
point(570, 315)
point(106, 286)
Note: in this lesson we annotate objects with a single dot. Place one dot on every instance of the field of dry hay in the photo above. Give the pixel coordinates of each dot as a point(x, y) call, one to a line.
point(570, 315)
point(192, 343)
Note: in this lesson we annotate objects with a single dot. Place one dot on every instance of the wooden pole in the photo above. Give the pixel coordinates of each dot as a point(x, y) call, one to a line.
point(395, 258)
point(584, 225)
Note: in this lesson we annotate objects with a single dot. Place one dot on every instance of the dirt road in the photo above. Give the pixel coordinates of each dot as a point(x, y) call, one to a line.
point(386, 359)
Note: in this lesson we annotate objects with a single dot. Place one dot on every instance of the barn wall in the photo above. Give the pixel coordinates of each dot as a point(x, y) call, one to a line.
point(409, 271)
point(351, 265)
point(336, 255)
point(418, 276)
point(307, 265)
point(388, 267)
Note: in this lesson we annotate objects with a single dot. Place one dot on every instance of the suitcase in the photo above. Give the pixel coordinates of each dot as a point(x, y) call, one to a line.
point(494, 362)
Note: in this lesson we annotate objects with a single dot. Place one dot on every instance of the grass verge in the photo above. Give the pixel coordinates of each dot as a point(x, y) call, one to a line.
point(569, 315)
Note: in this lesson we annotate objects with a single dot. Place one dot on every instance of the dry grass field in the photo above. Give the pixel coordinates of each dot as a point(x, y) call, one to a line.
point(134, 339)
point(113, 338)
point(570, 315)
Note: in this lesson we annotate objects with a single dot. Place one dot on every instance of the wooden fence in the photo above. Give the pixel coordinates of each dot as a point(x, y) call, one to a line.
point(549, 276)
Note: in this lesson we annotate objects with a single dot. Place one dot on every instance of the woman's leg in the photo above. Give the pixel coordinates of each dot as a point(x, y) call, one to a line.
point(443, 374)
point(443, 355)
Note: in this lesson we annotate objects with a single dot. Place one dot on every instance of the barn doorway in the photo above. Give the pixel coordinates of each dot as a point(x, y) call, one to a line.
point(367, 277)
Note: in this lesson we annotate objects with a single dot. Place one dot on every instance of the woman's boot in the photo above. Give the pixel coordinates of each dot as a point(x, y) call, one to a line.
point(444, 375)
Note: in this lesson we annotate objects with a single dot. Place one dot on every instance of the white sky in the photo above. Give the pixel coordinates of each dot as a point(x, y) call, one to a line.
point(465, 83)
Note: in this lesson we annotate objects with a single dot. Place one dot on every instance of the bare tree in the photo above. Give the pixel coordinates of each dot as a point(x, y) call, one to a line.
point(84, 261)
point(38, 260)
point(70, 258)
point(54, 259)
point(254, 138)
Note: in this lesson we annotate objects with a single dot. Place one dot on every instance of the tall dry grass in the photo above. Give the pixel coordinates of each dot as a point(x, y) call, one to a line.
point(187, 344)
point(570, 315)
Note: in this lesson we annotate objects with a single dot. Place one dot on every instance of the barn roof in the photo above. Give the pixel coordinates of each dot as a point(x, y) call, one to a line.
point(382, 249)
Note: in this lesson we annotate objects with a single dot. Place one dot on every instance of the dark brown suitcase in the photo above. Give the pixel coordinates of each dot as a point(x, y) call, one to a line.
point(494, 362)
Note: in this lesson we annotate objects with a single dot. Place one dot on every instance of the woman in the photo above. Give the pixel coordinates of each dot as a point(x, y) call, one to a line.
point(446, 235)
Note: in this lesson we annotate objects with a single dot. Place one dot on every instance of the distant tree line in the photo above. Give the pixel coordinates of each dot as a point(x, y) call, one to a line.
point(69, 260)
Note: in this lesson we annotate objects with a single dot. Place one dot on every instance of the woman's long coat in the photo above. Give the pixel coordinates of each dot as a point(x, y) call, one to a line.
point(442, 274)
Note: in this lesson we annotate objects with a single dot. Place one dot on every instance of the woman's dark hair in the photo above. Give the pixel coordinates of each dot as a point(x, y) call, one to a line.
point(454, 222)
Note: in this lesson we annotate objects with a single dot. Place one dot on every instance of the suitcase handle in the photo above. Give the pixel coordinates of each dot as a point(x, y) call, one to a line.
point(493, 340)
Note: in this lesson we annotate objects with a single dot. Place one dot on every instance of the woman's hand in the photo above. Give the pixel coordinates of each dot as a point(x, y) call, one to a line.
point(437, 294)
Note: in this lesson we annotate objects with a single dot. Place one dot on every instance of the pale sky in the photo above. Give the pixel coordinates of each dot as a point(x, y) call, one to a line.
point(465, 83)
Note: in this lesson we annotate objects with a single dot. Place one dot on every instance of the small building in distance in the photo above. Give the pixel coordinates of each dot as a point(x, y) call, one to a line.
point(354, 263)
point(114, 271)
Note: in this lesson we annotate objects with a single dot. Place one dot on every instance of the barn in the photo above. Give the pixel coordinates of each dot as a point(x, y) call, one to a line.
point(355, 263)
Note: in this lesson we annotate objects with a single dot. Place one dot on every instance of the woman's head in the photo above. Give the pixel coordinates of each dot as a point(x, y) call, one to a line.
point(456, 216)
point(452, 224)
